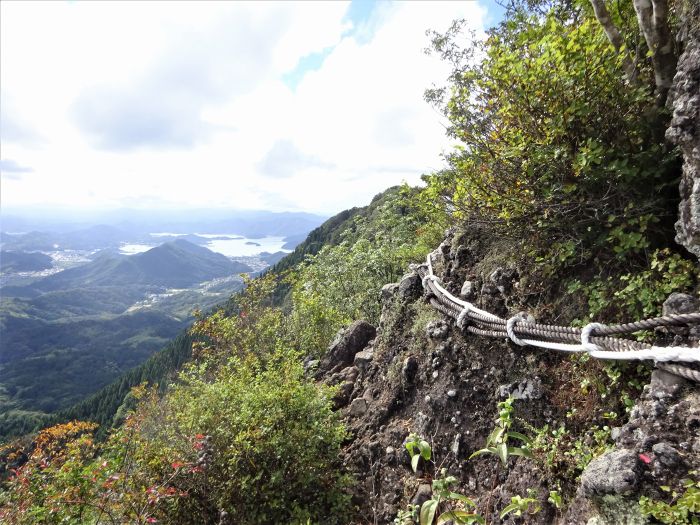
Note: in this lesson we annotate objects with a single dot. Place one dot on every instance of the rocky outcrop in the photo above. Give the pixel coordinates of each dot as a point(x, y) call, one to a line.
point(684, 131)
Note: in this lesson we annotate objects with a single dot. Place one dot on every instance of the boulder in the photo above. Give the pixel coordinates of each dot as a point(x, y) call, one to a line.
point(613, 473)
point(410, 287)
point(347, 343)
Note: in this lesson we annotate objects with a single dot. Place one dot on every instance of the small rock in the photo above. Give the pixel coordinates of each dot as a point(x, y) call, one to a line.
point(525, 389)
point(423, 494)
point(451, 393)
point(614, 473)
point(428, 399)
point(436, 374)
point(358, 407)
point(390, 451)
point(409, 368)
point(410, 287)
point(437, 330)
point(437, 362)
point(666, 454)
point(468, 290)
point(363, 358)
point(388, 291)
point(456, 444)
point(681, 303)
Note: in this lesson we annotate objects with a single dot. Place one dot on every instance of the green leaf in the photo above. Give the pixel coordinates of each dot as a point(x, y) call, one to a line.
point(427, 512)
point(459, 516)
point(517, 451)
point(414, 462)
point(462, 498)
point(521, 437)
point(502, 451)
point(510, 508)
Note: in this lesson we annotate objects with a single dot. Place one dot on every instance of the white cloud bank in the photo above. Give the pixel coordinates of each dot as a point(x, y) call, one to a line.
point(185, 104)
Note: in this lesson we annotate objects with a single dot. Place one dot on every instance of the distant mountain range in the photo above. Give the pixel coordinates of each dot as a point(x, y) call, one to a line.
point(68, 334)
point(138, 222)
point(175, 264)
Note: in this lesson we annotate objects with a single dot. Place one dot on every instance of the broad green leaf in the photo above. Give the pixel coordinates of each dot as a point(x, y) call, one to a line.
point(427, 512)
point(462, 498)
point(510, 508)
point(521, 437)
point(414, 462)
point(502, 451)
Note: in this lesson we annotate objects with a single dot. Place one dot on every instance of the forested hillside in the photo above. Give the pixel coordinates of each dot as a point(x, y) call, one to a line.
point(335, 389)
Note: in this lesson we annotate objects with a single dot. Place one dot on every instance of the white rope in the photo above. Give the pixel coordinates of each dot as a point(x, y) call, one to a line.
point(586, 334)
point(659, 354)
point(655, 353)
point(463, 304)
point(510, 328)
point(550, 345)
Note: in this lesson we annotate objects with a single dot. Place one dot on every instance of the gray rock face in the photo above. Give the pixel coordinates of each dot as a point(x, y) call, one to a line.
point(667, 455)
point(410, 287)
point(358, 407)
point(409, 369)
point(680, 303)
point(613, 473)
point(363, 358)
point(388, 291)
point(684, 131)
point(347, 343)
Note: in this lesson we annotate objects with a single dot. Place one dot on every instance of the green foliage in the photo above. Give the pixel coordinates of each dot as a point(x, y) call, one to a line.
point(497, 442)
point(342, 282)
point(519, 506)
point(566, 455)
point(641, 293)
point(553, 142)
point(418, 448)
point(442, 493)
point(683, 510)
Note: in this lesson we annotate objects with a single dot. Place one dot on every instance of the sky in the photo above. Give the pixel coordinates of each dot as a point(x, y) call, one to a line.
point(299, 106)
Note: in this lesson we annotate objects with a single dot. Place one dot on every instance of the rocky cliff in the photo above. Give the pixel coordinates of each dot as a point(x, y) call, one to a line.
point(684, 130)
point(420, 374)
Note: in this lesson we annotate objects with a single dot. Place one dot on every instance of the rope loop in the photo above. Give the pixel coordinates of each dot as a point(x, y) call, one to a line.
point(586, 333)
point(510, 328)
point(462, 318)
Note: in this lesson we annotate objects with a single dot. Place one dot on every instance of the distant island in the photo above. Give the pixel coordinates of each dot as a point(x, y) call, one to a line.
point(251, 243)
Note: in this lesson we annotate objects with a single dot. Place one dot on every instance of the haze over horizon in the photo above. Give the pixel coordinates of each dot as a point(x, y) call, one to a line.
point(213, 105)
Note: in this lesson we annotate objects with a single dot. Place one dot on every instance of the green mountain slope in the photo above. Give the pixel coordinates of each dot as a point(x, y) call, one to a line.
point(176, 264)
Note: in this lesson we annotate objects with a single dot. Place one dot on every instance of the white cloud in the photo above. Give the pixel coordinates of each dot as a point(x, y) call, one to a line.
point(183, 103)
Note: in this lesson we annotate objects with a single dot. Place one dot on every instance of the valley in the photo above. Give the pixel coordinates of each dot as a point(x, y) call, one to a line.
point(80, 308)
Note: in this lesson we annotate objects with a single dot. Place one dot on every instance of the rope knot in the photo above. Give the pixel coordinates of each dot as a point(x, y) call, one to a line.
point(462, 318)
point(586, 333)
point(510, 327)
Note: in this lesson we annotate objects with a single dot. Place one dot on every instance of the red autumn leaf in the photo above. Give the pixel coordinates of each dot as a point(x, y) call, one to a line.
point(646, 459)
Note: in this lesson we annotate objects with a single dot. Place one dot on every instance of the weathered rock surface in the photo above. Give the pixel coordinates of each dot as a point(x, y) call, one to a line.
point(347, 343)
point(613, 473)
point(684, 131)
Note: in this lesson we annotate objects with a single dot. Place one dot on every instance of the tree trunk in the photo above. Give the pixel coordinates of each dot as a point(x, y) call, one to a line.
point(615, 38)
point(652, 16)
